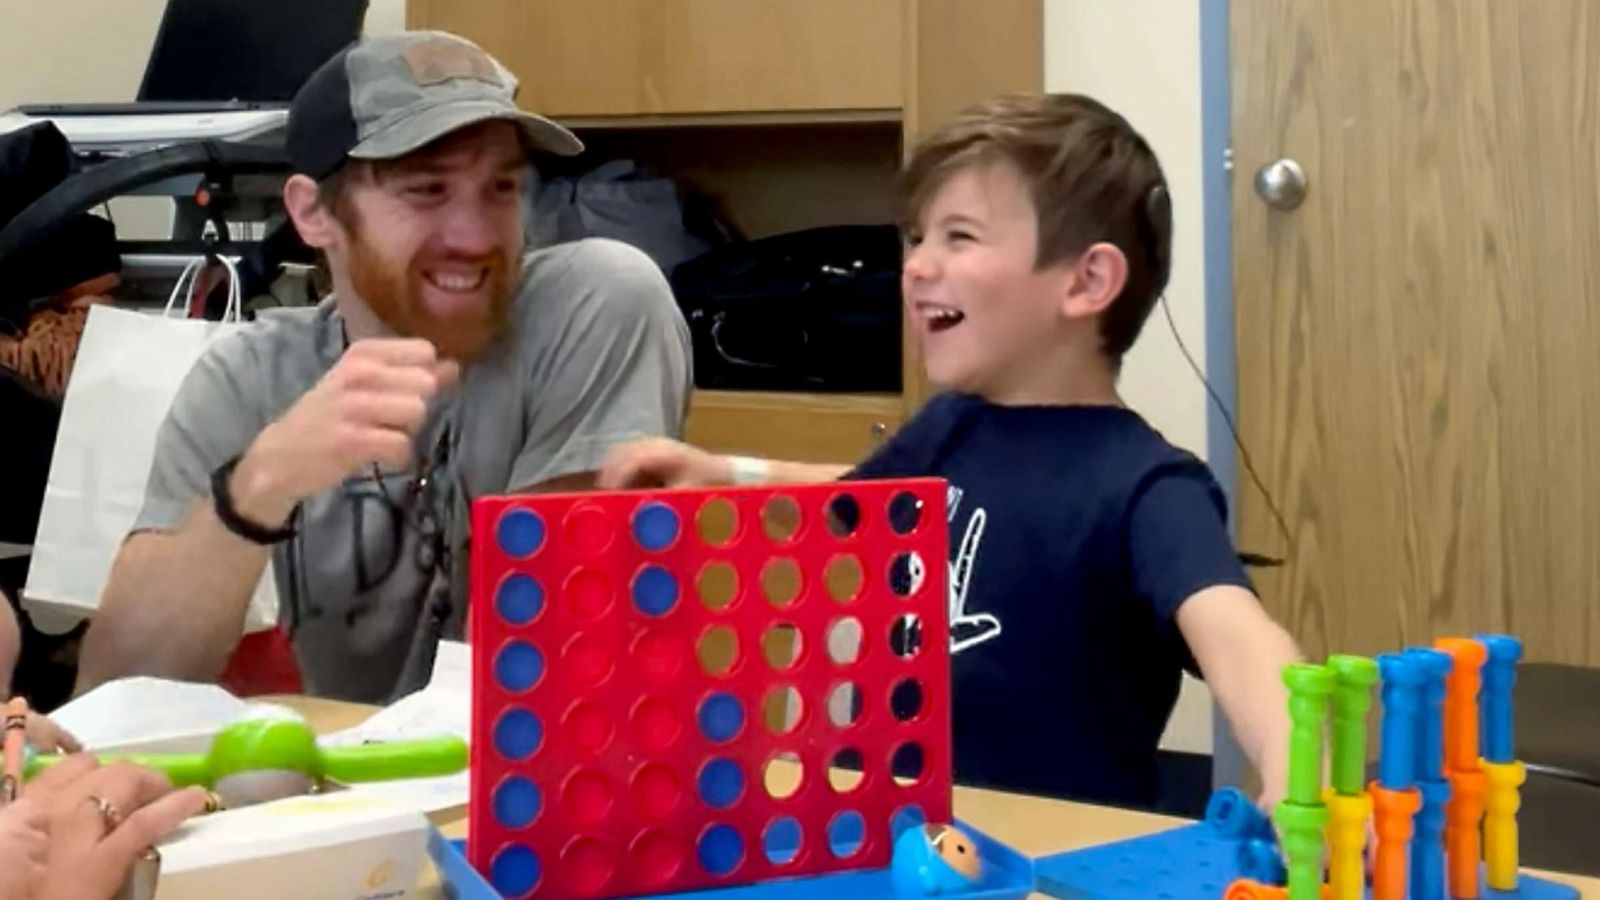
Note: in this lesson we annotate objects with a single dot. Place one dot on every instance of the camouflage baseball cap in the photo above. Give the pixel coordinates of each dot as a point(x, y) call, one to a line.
point(383, 97)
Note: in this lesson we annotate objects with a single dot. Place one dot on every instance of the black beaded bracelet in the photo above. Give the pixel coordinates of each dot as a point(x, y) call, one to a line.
point(222, 500)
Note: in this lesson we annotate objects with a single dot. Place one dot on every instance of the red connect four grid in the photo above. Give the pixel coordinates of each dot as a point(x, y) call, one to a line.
point(652, 669)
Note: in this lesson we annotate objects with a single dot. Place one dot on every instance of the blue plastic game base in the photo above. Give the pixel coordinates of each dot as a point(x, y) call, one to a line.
point(1007, 875)
point(1189, 863)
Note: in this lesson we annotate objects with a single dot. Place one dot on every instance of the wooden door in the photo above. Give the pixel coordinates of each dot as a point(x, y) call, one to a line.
point(1419, 342)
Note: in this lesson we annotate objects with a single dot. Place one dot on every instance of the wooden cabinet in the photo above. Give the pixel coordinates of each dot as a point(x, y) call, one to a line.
point(654, 57)
point(838, 428)
point(791, 113)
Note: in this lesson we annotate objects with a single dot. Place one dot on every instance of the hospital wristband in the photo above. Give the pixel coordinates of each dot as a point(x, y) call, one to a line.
point(748, 470)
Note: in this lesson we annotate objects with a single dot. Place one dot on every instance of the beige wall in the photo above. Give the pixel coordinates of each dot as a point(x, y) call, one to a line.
point(385, 16)
point(1150, 72)
point(89, 50)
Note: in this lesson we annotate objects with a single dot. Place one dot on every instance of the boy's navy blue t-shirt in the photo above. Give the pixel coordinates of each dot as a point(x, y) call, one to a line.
point(1076, 532)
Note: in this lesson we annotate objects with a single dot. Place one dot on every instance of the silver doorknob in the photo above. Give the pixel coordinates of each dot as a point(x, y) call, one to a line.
point(1282, 184)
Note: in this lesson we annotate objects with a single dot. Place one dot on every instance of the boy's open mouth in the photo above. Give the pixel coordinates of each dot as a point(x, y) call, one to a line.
point(940, 318)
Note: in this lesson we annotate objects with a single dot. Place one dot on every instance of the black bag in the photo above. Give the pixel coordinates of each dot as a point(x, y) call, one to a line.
point(620, 200)
point(31, 418)
point(815, 310)
point(33, 160)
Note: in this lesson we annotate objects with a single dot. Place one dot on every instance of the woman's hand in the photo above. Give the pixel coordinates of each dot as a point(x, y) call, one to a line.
point(24, 848)
point(101, 819)
point(48, 737)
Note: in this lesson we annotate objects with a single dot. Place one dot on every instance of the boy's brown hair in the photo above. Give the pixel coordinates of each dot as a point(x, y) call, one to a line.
point(1092, 178)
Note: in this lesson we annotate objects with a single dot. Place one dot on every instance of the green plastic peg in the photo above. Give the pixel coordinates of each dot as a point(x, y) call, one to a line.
point(1302, 829)
point(1309, 689)
point(1354, 677)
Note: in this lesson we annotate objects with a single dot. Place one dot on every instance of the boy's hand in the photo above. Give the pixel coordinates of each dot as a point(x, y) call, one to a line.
point(1242, 654)
point(661, 462)
point(1269, 798)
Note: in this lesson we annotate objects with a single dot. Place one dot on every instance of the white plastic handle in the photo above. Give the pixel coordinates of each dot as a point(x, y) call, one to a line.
point(232, 312)
point(185, 278)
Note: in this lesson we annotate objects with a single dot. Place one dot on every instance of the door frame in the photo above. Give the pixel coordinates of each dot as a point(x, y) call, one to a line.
point(1216, 137)
point(1228, 763)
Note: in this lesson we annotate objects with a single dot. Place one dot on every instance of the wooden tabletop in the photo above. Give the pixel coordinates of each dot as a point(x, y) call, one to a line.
point(1034, 826)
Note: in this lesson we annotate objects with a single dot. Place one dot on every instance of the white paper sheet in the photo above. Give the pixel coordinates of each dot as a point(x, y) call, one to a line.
point(157, 715)
point(151, 714)
point(443, 707)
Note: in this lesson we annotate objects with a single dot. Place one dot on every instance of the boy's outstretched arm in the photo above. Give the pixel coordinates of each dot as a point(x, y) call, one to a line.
point(1241, 652)
point(663, 462)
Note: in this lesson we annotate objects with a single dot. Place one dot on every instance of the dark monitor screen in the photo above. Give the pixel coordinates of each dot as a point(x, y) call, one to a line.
point(251, 50)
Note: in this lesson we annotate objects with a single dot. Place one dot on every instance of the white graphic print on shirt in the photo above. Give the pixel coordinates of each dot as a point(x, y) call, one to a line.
point(967, 630)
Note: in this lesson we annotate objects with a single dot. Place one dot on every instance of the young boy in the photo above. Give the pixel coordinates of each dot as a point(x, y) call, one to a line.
point(1089, 557)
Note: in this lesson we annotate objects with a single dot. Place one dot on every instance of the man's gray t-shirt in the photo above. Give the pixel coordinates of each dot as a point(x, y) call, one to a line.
point(596, 354)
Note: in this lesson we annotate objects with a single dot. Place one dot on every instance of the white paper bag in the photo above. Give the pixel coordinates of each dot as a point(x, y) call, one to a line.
point(129, 367)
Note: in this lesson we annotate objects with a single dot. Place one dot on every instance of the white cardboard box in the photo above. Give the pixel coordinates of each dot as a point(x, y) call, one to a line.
point(340, 845)
point(347, 844)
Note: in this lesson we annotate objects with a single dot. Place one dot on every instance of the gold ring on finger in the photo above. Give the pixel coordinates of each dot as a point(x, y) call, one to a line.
point(110, 816)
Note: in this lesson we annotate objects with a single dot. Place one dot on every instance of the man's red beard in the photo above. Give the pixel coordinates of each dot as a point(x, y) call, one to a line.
point(393, 295)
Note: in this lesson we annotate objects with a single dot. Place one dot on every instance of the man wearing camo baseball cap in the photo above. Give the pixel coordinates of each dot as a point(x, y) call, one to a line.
point(344, 442)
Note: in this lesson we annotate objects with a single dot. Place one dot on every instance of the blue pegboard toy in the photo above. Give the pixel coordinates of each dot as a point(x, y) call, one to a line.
point(1195, 862)
point(1007, 875)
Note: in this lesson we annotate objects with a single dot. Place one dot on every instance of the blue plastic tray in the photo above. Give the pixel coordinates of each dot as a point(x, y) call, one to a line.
point(1191, 863)
point(1008, 875)
point(1195, 862)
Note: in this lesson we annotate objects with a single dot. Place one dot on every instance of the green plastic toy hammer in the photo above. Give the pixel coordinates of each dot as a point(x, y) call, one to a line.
point(260, 759)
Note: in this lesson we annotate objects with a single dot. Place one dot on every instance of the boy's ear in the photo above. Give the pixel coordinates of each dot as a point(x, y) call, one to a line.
point(1095, 279)
point(318, 227)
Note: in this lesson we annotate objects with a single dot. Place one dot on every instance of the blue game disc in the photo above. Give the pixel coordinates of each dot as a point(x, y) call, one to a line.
point(516, 802)
point(518, 734)
point(721, 850)
point(721, 718)
point(906, 817)
point(655, 591)
point(515, 871)
point(782, 841)
point(520, 533)
point(846, 833)
point(655, 526)
point(518, 666)
point(519, 599)
point(721, 783)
